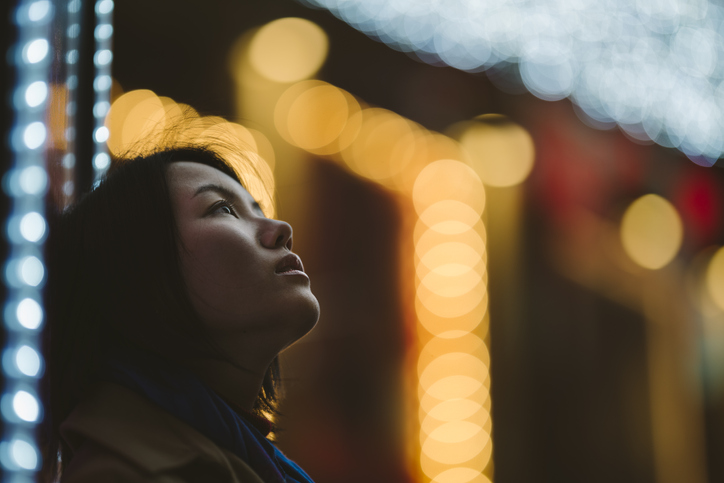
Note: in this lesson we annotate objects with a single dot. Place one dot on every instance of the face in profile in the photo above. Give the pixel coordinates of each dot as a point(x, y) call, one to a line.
point(242, 277)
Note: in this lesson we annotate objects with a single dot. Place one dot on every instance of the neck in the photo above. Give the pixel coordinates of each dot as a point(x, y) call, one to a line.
point(240, 386)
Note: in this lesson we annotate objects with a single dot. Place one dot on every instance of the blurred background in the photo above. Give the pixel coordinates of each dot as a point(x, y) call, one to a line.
point(515, 287)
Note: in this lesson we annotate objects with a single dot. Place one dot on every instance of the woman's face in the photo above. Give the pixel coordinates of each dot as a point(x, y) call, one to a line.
point(241, 274)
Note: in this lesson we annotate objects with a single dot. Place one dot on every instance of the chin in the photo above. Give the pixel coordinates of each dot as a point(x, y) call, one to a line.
point(306, 315)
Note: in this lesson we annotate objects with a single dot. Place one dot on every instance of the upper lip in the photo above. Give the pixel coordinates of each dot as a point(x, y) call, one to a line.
point(290, 262)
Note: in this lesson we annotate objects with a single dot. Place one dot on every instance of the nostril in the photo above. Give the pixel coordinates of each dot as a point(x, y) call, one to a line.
point(289, 244)
point(279, 241)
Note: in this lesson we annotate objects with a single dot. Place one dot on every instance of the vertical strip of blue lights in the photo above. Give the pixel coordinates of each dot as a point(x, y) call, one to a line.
point(102, 60)
point(26, 184)
point(24, 271)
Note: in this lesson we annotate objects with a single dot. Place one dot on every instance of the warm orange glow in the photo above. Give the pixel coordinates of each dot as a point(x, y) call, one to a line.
point(141, 122)
point(433, 468)
point(651, 231)
point(467, 344)
point(715, 278)
point(459, 387)
point(238, 146)
point(229, 133)
point(384, 146)
point(457, 363)
point(449, 257)
point(450, 307)
point(455, 432)
point(461, 475)
point(452, 411)
point(450, 269)
point(451, 327)
point(455, 443)
point(434, 255)
point(451, 280)
point(449, 217)
point(172, 110)
point(57, 122)
point(288, 50)
point(501, 151)
point(448, 179)
point(314, 115)
point(264, 147)
point(455, 410)
point(134, 117)
point(317, 117)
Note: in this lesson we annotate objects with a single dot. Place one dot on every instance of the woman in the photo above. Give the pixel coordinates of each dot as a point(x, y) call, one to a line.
point(170, 296)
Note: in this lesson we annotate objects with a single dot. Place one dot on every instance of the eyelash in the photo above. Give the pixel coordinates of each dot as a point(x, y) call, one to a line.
point(224, 203)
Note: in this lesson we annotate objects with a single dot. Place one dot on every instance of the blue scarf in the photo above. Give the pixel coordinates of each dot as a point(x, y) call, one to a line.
point(184, 396)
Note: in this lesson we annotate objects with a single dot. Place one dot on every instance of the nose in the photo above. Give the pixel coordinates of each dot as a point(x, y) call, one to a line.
point(277, 234)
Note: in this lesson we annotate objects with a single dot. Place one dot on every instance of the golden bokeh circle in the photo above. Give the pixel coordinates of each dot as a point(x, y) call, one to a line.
point(449, 217)
point(452, 326)
point(454, 387)
point(433, 468)
point(454, 364)
point(448, 179)
point(502, 152)
point(715, 278)
point(456, 442)
point(467, 344)
point(317, 117)
point(451, 307)
point(134, 117)
point(461, 474)
point(288, 49)
point(452, 410)
point(651, 231)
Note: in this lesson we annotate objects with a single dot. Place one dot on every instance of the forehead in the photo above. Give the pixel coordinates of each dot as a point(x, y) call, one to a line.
point(185, 177)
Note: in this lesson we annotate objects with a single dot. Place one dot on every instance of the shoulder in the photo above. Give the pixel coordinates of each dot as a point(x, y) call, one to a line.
point(117, 435)
point(93, 463)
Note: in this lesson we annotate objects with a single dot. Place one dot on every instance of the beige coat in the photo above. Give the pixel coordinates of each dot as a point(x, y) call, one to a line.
point(118, 436)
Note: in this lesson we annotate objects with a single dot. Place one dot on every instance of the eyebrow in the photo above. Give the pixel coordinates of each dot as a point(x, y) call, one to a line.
point(225, 192)
point(215, 188)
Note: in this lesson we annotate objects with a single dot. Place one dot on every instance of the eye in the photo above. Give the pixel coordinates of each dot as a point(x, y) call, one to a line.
point(223, 207)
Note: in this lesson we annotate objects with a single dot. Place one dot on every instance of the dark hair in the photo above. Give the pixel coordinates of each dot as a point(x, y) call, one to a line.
point(115, 281)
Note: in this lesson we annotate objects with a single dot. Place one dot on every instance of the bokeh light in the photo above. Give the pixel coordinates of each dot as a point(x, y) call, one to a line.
point(461, 475)
point(451, 306)
point(24, 454)
point(384, 146)
point(288, 50)
point(651, 231)
point(26, 406)
point(28, 361)
point(448, 217)
point(501, 151)
point(715, 278)
point(136, 115)
point(449, 257)
point(140, 123)
point(655, 68)
point(448, 179)
point(314, 115)
point(447, 325)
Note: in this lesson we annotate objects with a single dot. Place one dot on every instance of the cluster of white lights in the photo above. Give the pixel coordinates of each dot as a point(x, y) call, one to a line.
point(655, 68)
point(24, 272)
point(102, 60)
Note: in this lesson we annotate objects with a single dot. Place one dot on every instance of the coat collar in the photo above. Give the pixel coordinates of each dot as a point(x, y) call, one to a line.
point(141, 432)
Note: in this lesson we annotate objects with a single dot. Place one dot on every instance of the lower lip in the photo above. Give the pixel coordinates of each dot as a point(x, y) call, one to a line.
point(294, 272)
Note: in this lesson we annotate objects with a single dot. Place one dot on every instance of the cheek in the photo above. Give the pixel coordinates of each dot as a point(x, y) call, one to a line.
point(218, 267)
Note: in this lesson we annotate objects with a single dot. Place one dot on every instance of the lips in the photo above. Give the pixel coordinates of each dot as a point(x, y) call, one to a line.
point(290, 263)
